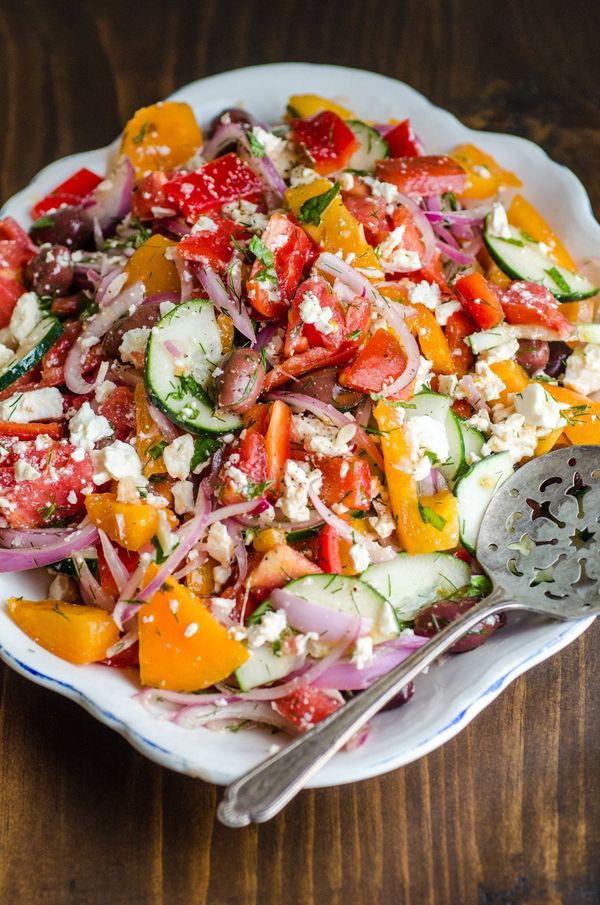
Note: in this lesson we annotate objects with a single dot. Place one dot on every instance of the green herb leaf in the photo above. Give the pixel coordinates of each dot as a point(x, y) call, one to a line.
point(155, 450)
point(313, 209)
point(431, 517)
point(511, 241)
point(262, 254)
point(160, 556)
point(43, 222)
point(138, 139)
point(204, 448)
point(558, 278)
point(256, 147)
point(527, 237)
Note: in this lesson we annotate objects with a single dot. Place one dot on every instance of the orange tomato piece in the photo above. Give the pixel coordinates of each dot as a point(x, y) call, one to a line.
point(182, 646)
point(71, 631)
point(431, 339)
point(150, 265)
point(277, 567)
point(161, 137)
point(277, 443)
point(148, 437)
point(512, 375)
point(524, 216)
point(584, 415)
point(132, 525)
point(484, 175)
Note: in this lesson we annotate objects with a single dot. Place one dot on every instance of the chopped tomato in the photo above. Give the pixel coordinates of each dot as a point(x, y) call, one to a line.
point(216, 183)
point(277, 443)
point(377, 365)
point(402, 141)
point(330, 555)
point(462, 408)
point(215, 245)
point(291, 249)
point(530, 303)
point(13, 258)
point(423, 175)
point(66, 305)
point(306, 706)
point(322, 324)
point(119, 409)
point(459, 326)
point(327, 139)
point(68, 193)
point(371, 212)
point(54, 360)
point(10, 229)
point(279, 565)
point(130, 560)
point(57, 492)
point(149, 194)
point(346, 480)
point(10, 292)
point(480, 299)
point(125, 659)
point(305, 362)
point(52, 429)
point(250, 458)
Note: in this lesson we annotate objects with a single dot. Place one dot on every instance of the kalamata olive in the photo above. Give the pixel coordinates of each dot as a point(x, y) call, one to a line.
point(403, 697)
point(323, 385)
point(235, 114)
point(144, 316)
point(241, 382)
point(533, 354)
point(434, 618)
point(66, 226)
point(559, 352)
point(51, 271)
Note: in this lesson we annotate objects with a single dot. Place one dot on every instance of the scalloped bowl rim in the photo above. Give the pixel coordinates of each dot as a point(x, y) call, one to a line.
point(448, 697)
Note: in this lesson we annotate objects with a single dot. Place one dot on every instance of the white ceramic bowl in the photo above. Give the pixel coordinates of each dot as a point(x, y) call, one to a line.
point(451, 694)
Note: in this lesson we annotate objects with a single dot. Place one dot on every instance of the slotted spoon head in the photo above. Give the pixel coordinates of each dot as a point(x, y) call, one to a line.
point(540, 536)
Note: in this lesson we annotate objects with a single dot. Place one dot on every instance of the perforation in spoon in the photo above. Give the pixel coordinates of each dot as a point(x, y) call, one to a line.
point(548, 482)
point(542, 510)
point(578, 490)
point(583, 582)
point(582, 539)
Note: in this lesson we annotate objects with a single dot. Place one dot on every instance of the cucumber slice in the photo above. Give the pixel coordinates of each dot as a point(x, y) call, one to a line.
point(373, 147)
point(474, 492)
point(473, 440)
point(588, 333)
point(348, 595)
point(263, 666)
point(192, 329)
point(489, 339)
point(411, 582)
point(31, 351)
point(440, 407)
point(522, 259)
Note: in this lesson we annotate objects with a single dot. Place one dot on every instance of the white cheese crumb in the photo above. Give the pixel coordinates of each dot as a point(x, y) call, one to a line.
point(133, 345)
point(497, 224)
point(393, 256)
point(178, 455)
point(539, 408)
point(26, 315)
point(86, 428)
point(582, 372)
point(311, 312)
point(362, 654)
point(25, 472)
point(183, 497)
point(360, 557)
point(36, 405)
point(427, 444)
point(294, 500)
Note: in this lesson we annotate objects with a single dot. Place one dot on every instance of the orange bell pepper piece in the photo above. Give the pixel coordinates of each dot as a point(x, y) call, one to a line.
point(132, 525)
point(579, 312)
point(431, 338)
point(304, 105)
point(523, 215)
point(485, 176)
point(583, 415)
point(277, 443)
point(546, 444)
point(149, 265)
point(226, 331)
point(71, 631)
point(182, 646)
point(338, 230)
point(161, 137)
point(414, 516)
point(149, 440)
point(512, 375)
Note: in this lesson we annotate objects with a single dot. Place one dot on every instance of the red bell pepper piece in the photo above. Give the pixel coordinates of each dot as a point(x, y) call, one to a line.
point(305, 362)
point(31, 430)
point(459, 326)
point(68, 194)
point(216, 183)
point(327, 139)
point(277, 443)
point(346, 480)
point(402, 141)
point(213, 246)
point(149, 194)
point(371, 212)
point(480, 299)
point(10, 292)
point(119, 409)
point(291, 249)
point(423, 175)
point(530, 303)
point(378, 364)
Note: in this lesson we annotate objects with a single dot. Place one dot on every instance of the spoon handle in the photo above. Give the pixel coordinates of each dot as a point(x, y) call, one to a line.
point(266, 789)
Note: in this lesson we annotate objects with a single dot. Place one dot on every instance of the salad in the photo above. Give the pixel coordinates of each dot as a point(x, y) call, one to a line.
point(258, 385)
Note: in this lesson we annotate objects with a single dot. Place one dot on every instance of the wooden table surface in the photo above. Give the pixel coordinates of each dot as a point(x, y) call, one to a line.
point(508, 813)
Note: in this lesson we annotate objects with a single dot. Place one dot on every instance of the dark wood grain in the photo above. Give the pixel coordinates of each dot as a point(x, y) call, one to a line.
point(508, 813)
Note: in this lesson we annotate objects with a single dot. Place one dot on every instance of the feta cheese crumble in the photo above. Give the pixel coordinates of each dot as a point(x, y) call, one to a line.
point(324, 439)
point(311, 312)
point(539, 408)
point(427, 445)
point(178, 455)
point(582, 373)
point(268, 630)
point(497, 224)
point(87, 428)
point(133, 345)
point(425, 293)
point(512, 435)
point(296, 480)
point(359, 556)
point(183, 497)
point(504, 352)
point(362, 654)
point(117, 461)
point(36, 405)
point(393, 256)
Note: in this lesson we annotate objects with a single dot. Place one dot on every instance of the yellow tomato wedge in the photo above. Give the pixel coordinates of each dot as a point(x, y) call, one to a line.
point(182, 646)
point(77, 633)
point(485, 175)
point(582, 413)
point(523, 215)
point(423, 525)
point(431, 338)
point(338, 230)
point(132, 525)
point(303, 105)
point(161, 137)
point(150, 265)
point(148, 438)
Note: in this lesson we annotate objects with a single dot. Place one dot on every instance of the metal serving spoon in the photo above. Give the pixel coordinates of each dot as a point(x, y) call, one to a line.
point(540, 544)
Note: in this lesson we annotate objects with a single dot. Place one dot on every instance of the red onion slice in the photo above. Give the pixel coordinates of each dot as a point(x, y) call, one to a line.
point(213, 286)
point(376, 553)
point(330, 625)
point(455, 254)
point(195, 716)
point(29, 557)
point(92, 592)
point(113, 561)
point(348, 677)
point(112, 199)
point(424, 227)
